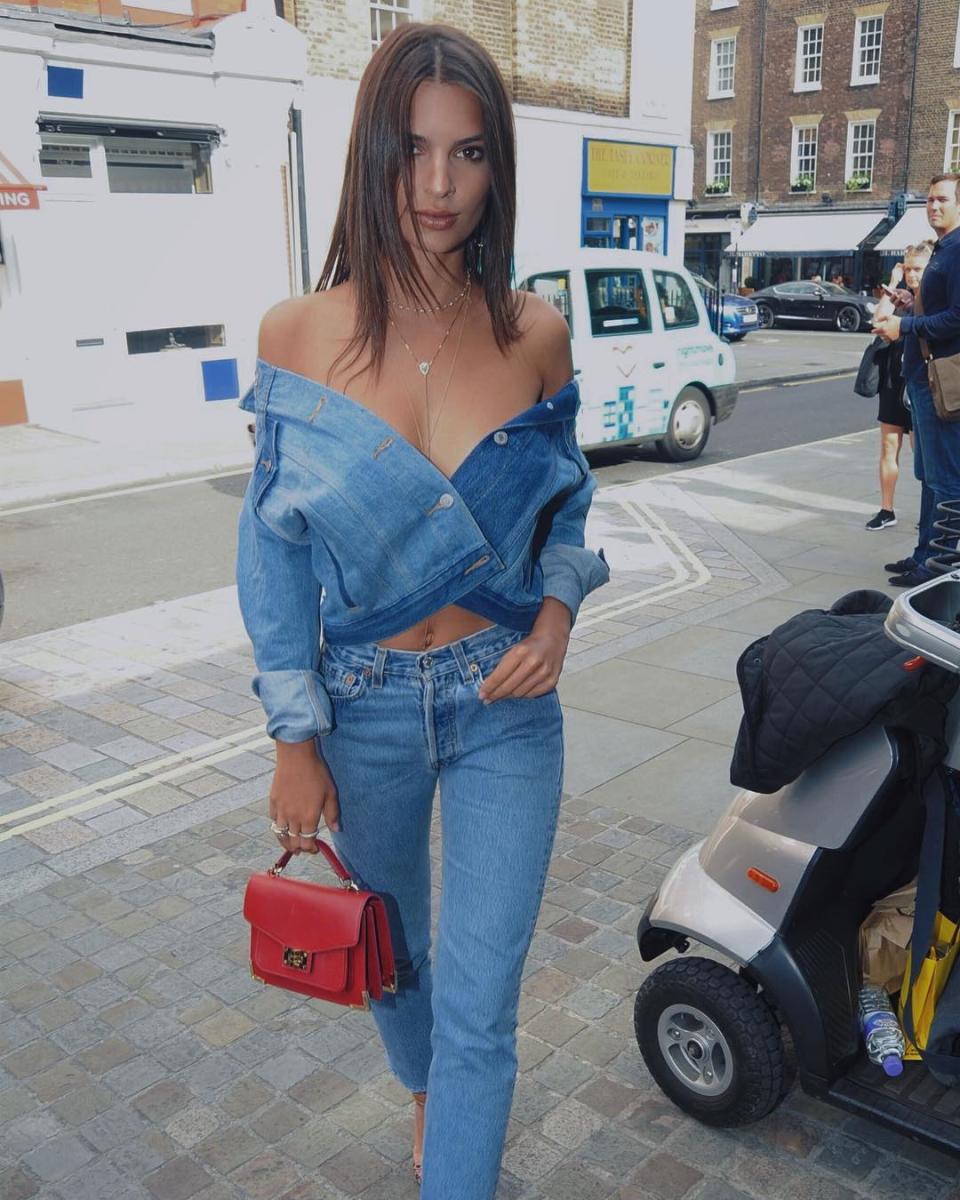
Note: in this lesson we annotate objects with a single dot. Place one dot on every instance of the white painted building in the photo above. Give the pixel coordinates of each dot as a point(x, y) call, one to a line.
point(169, 212)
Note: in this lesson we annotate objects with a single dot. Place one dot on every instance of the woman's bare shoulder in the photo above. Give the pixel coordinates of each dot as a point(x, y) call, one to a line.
point(293, 332)
point(545, 338)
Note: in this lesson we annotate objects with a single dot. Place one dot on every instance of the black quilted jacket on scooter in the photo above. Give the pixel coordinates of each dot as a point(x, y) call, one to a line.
point(822, 676)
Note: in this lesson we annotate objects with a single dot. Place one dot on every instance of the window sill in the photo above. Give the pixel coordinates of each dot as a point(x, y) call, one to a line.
point(721, 95)
point(865, 82)
point(808, 87)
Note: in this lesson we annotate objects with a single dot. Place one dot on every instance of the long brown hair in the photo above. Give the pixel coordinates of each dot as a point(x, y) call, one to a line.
point(367, 246)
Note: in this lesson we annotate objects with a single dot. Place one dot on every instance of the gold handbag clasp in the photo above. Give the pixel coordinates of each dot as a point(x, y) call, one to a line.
point(295, 958)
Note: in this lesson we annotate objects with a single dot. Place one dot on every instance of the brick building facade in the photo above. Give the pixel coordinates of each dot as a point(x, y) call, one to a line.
point(811, 109)
point(566, 54)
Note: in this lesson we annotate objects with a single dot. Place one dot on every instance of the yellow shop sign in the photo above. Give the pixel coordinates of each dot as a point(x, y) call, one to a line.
point(629, 169)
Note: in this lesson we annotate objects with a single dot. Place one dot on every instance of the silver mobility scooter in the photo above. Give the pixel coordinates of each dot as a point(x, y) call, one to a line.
point(781, 887)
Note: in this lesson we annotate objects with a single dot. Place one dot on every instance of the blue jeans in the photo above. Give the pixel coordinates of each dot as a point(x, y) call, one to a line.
point(937, 461)
point(407, 721)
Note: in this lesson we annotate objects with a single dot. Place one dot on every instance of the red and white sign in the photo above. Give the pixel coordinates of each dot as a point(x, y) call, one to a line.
point(15, 191)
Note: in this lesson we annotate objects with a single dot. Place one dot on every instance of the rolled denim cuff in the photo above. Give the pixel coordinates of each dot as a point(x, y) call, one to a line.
point(296, 703)
point(570, 573)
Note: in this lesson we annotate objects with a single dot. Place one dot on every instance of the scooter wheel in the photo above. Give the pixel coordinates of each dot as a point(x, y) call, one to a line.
point(710, 1041)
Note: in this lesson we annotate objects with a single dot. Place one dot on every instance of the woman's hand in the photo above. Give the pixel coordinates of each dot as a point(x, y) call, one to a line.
point(301, 794)
point(532, 667)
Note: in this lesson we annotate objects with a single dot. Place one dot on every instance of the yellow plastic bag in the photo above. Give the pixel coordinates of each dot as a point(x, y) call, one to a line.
point(934, 973)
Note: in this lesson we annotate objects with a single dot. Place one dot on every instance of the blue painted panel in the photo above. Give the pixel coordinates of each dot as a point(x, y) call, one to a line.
point(220, 379)
point(65, 81)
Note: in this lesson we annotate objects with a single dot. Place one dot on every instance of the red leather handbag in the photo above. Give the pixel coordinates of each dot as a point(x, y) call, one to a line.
point(329, 942)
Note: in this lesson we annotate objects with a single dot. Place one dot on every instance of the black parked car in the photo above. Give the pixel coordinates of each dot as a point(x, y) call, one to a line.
point(820, 303)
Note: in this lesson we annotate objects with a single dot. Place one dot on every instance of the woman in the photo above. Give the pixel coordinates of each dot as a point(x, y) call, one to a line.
point(420, 489)
point(893, 414)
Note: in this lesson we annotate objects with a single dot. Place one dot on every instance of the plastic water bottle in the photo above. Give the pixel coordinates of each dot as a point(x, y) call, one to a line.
point(881, 1030)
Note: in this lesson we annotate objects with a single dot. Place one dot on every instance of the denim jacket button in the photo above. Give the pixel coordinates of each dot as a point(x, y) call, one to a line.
point(501, 438)
point(445, 501)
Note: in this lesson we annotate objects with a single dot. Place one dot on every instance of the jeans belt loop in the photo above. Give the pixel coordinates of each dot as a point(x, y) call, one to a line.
point(379, 662)
point(465, 674)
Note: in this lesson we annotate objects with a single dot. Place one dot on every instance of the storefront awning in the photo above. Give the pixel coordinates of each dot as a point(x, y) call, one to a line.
point(912, 228)
point(807, 233)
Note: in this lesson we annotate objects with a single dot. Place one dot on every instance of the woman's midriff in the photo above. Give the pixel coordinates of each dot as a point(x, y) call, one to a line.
point(450, 624)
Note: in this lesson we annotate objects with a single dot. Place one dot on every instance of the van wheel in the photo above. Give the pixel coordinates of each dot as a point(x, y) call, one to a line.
point(688, 428)
point(711, 1042)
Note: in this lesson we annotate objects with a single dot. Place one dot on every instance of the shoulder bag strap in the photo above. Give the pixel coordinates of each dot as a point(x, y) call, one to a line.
point(924, 344)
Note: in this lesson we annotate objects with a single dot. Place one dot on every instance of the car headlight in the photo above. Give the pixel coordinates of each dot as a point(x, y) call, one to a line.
point(870, 306)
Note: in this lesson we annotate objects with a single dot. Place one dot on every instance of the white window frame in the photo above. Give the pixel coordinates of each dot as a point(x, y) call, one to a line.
point(711, 163)
point(951, 154)
point(798, 82)
point(956, 44)
point(411, 9)
point(714, 92)
point(856, 78)
point(795, 171)
point(848, 169)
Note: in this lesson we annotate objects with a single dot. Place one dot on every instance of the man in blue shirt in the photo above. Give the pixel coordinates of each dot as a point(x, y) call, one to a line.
point(937, 443)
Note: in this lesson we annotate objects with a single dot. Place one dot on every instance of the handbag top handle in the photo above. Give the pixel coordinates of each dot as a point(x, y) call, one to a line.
point(330, 855)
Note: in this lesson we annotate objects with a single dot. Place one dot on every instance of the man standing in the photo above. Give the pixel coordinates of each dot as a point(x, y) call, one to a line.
point(937, 443)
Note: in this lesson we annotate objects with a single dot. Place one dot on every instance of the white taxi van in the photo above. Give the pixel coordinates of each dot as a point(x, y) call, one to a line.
point(650, 368)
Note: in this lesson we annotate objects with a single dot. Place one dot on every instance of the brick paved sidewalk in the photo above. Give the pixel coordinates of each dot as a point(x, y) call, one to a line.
point(138, 1059)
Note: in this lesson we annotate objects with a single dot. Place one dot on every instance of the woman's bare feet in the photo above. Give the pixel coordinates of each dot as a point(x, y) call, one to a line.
point(420, 1104)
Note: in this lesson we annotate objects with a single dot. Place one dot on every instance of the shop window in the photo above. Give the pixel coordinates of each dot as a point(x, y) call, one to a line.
point(553, 287)
point(618, 303)
point(65, 159)
point(809, 70)
point(723, 62)
point(386, 15)
point(951, 161)
point(677, 305)
point(181, 337)
point(155, 165)
point(867, 47)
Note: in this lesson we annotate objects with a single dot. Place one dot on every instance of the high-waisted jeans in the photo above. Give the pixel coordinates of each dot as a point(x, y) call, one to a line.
point(406, 721)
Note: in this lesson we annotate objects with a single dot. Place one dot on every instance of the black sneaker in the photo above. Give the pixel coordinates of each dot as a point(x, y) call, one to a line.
point(883, 520)
point(901, 566)
point(911, 579)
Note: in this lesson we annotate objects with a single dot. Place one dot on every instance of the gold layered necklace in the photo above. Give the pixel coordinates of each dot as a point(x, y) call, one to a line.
point(425, 366)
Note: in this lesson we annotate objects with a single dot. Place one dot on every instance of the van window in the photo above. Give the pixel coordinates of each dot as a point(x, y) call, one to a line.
point(676, 300)
point(618, 303)
point(555, 289)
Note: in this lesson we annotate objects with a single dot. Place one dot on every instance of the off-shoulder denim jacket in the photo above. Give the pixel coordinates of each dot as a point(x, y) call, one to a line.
point(349, 534)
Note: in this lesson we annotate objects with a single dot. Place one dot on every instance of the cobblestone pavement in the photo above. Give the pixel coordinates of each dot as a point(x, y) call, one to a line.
point(139, 1059)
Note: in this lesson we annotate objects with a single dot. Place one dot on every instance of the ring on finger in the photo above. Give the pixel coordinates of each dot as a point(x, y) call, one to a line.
point(281, 831)
point(309, 833)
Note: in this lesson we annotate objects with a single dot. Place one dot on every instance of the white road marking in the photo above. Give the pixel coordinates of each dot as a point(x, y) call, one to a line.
point(128, 783)
point(120, 792)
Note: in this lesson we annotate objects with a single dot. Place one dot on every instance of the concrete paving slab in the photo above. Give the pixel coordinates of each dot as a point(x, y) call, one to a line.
point(700, 650)
point(597, 748)
point(645, 695)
